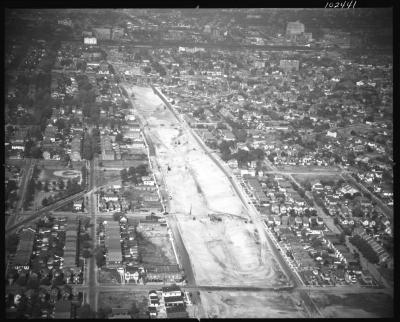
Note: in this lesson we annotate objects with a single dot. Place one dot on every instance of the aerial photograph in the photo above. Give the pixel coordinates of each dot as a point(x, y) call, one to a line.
point(198, 163)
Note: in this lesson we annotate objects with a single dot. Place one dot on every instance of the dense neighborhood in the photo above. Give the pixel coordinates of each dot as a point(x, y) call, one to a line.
point(304, 130)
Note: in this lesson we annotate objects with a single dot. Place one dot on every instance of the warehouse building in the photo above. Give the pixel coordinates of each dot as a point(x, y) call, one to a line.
point(24, 249)
point(113, 245)
point(70, 250)
point(76, 149)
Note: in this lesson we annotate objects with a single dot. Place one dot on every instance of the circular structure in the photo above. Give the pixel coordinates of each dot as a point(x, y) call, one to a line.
point(68, 174)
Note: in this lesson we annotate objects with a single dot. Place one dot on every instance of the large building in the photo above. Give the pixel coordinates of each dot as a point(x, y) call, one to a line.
point(113, 244)
point(24, 249)
point(107, 151)
point(70, 250)
point(294, 28)
point(76, 149)
point(90, 41)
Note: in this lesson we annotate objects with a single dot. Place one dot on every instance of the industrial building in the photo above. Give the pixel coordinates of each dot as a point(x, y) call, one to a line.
point(76, 149)
point(113, 244)
point(70, 250)
point(24, 249)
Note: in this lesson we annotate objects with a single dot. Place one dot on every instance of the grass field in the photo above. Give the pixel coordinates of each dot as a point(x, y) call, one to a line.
point(306, 168)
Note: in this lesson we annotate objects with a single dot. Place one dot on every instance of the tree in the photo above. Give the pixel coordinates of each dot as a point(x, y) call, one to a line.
point(12, 243)
point(124, 174)
point(100, 261)
point(307, 185)
point(61, 125)
point(141, 170)
point(258, 154)
point(116, 216)
point(36, 311)
point(119, 137)
point(240, 134)
point(45, 202)
point(69, 185)
point(29, 144)
point(35, 132)
point(243, 156)
point(61, 184)
point(365, 248)
point(33, 284)
point(86, 253)
point(45, 281)
point(84, 312)
point(134, 310)
point(39, 185)
point(357, 212)
point(58, 281)
point(46, 186)
point(104, 312)
point(21, 281)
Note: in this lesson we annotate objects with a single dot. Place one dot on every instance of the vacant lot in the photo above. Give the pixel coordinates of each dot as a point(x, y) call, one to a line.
point(105, 176)
point(374, 305)
point(155, 247)
point(109, 276)
point(135, 301)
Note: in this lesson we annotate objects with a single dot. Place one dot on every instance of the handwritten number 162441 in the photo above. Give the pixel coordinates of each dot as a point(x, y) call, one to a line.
point(344, 4)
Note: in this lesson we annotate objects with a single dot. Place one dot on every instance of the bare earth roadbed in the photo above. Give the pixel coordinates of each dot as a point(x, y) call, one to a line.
point(225, 252)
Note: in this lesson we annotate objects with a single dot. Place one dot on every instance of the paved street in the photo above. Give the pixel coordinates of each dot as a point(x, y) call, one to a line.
point(92, 266)
point(42, 211)
point(28, 170)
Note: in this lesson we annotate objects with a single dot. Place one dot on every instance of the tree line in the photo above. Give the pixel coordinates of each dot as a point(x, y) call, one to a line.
point(365, 248)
